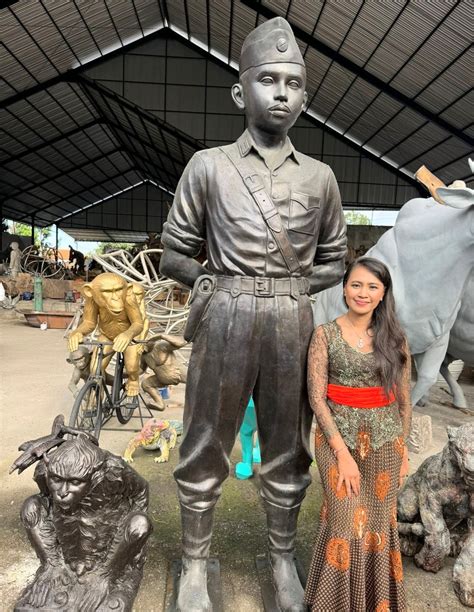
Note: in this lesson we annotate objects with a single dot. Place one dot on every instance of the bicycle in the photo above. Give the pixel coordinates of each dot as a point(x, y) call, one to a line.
point(95, 405)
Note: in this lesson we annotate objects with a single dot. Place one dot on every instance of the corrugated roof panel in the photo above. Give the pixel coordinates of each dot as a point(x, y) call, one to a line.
point(177, 14)
point(427, 136)
point(433, 159)
point(243, 23)
point(415, 24)
point(299, 14)
point(402, 125)
point(370, 27)
point(220, 25)
point(101, 24)
point(198, 20)
point(125, 20)
point(69, 22)
point(335, 21)
point(149, 15)
point(316, 67)
point(331, 90)
point(458, 113)
point(355, 100)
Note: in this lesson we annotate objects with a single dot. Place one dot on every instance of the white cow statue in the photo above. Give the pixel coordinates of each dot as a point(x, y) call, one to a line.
point(430, 255)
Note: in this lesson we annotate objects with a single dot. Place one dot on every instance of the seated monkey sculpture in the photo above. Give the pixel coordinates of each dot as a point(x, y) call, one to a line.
point(436, 511)
point(158, 355)
point(111, 305)
point(87, 525)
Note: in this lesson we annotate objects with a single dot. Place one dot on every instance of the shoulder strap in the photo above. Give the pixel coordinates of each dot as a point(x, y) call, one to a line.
point(270, 214)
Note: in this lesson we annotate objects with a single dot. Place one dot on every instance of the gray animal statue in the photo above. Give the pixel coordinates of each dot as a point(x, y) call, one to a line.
point(436, 511)
point(158, 355)
point(81, 360)
point(87, 525)
point(430, 254)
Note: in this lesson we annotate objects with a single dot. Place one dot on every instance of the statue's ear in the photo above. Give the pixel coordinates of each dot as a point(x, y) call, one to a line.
point(87, 290)
point(452, 431)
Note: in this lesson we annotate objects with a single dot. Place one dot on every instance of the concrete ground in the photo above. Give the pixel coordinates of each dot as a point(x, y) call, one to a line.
point(33, 390)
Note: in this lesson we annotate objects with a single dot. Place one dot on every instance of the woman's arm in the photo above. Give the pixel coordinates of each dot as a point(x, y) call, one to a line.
point(317, 387)
point(404, 395)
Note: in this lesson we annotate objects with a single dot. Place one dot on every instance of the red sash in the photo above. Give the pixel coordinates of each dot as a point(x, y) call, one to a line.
point(359, 397)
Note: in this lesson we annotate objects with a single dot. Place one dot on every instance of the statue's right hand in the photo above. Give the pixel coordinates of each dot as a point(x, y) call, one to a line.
point(73, 341)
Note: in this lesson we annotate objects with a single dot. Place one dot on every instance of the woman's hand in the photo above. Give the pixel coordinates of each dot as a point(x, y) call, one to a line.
point(405, 467)
point(348, 472)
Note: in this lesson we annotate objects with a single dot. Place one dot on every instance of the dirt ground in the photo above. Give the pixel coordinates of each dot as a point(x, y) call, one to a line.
point(33, 390)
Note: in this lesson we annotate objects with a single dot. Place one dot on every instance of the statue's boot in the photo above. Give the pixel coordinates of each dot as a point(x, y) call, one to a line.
point(282, 524)
point(197, 534)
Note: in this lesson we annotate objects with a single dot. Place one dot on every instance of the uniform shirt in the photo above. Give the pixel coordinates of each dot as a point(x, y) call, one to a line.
point(213, 204)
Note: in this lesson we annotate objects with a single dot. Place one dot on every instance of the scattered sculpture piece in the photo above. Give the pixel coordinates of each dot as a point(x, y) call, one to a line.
point(421, 433)
point(88, 525)
point(158, 355)
point(77, 259)
point(111, 305)
point(15, 259)
point(250, 451)
point(155, 435)
point(436, 511)
point(81, 360)
point(428, 312)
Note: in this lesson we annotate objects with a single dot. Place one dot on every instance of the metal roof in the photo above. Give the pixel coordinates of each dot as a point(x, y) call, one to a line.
point(391, 78)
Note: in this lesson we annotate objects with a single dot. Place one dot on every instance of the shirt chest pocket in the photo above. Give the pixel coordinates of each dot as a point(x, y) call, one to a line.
point(304, 213)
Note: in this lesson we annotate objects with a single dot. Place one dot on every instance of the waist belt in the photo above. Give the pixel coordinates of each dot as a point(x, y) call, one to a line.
point(360, 397)
point(262, 286)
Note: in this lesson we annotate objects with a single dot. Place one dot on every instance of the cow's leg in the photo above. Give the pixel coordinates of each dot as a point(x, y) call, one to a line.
point(427, 366)
point(459, 400)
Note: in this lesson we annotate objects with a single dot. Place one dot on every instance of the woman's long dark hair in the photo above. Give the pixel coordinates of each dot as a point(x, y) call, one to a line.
point(389, 343)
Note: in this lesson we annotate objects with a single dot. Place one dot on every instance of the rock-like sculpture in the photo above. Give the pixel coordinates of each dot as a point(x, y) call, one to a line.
point(81, 360)
point(15, 259)
point(436, 511)
point(111, 305)
point(158, 355)
point(155, 435)
point(88, 525)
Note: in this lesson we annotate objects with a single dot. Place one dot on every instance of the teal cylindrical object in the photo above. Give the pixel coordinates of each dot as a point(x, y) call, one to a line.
point(38, 289)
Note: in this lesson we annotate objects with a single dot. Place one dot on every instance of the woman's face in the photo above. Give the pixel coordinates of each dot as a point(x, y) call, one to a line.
point(363, 291)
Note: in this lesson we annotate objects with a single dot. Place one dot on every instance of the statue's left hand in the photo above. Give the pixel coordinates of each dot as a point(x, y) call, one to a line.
point(49, 580)
point(121, 342)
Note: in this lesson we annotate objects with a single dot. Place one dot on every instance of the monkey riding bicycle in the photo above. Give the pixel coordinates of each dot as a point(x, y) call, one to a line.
point(102, 396)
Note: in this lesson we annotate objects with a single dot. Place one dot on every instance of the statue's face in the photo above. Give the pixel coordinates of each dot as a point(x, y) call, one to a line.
point(67, 491)
point(274, 95)
point(110, 292)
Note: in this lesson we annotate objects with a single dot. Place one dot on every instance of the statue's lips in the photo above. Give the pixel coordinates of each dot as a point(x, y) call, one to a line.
point(279, 110)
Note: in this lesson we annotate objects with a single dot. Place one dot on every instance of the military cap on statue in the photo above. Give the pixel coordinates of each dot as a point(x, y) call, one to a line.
point(272, 42)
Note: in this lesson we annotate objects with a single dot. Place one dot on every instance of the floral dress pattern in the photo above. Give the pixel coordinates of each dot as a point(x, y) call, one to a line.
point(356, 565)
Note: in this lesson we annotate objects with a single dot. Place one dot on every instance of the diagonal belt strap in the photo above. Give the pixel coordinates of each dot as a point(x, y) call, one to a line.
point(270, 214)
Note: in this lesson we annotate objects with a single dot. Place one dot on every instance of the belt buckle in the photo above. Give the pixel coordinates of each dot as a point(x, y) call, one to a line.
point(264, 287)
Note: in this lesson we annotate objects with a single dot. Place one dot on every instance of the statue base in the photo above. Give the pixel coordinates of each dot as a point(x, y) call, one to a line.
point(214, 587)
point(267, 587)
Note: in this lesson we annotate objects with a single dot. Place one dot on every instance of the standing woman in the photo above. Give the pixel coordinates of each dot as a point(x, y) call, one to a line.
point(359, 386)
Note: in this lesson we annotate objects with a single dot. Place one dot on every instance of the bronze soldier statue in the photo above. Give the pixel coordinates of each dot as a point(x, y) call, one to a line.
point(275, 233)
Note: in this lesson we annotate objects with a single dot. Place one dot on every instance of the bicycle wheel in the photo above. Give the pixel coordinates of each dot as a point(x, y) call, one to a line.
point(119, 394)
point(86, 413)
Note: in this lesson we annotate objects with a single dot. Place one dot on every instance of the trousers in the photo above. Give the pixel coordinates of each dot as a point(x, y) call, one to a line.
point(247, 344)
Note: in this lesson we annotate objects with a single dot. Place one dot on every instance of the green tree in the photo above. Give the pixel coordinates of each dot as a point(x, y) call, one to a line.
point(106, 247)
point(356, 218)
point(23, 229)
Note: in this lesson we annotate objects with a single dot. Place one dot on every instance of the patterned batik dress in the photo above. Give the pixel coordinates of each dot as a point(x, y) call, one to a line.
point(356, 565)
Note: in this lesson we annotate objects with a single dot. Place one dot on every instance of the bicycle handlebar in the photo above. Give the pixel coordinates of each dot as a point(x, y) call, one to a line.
point(97, 343)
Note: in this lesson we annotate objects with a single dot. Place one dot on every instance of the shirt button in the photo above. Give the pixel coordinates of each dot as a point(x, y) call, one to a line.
point(271, 246)
point(274, 173)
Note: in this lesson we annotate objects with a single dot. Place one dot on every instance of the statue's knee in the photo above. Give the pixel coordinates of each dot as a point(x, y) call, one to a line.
point(32, 512)
point(139, 527)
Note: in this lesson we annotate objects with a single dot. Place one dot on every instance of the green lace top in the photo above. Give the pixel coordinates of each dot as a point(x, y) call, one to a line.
point(333, 360)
